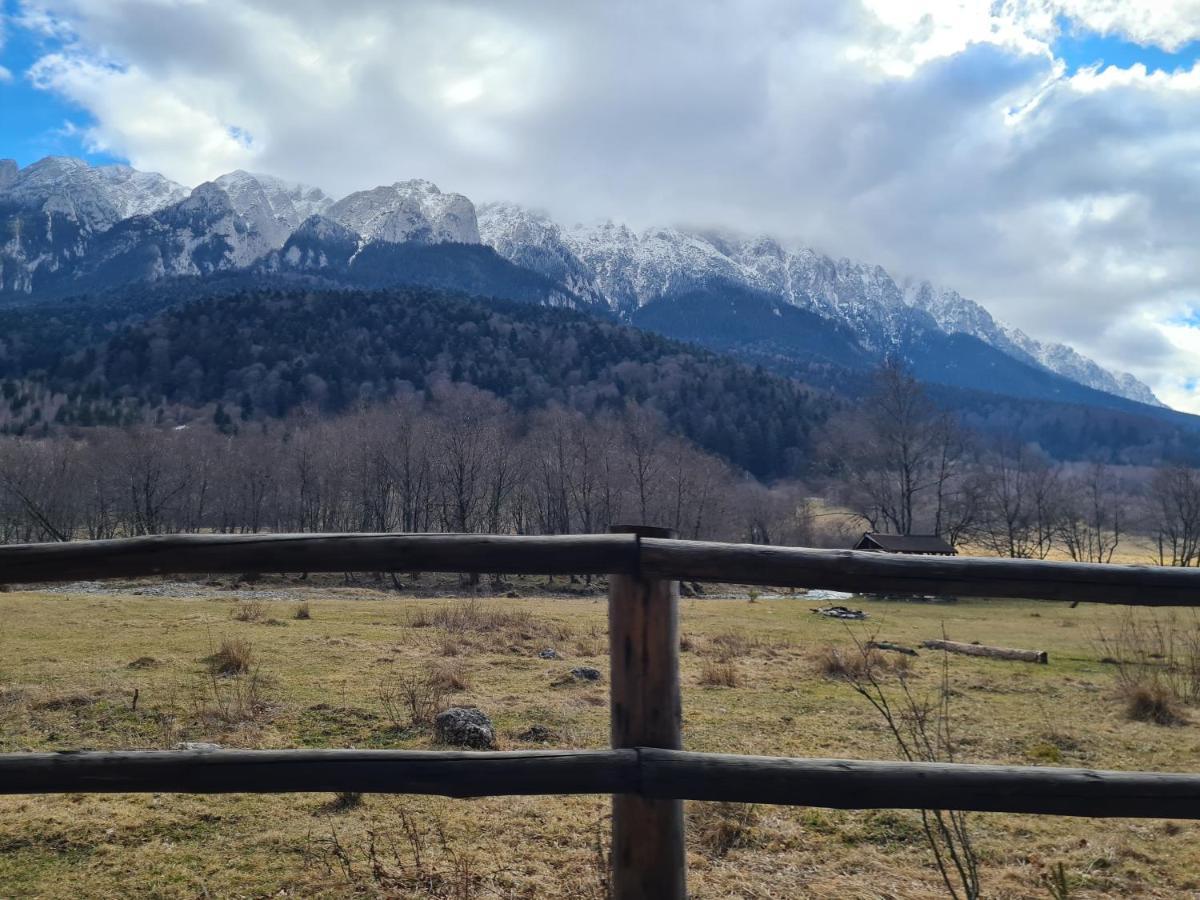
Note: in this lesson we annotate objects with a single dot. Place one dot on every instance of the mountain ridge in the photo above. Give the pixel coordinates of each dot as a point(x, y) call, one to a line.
point(71, 227)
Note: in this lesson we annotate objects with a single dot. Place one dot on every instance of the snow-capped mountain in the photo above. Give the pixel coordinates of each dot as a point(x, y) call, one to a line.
point(272, 207)
point(408, 211)
point(632, 269)
point(69, 227)
point(96, 197)
point(956, 314)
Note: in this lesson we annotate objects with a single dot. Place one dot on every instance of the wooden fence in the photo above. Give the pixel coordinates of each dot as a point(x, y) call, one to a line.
point(646, 771)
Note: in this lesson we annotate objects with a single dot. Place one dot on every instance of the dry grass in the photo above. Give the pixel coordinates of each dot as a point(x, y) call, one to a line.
point(303, 611)
point(249, 611)
point(718, 828)
point(318, 685)
point(1153, 703)
point(719, 674)
point(233, 657)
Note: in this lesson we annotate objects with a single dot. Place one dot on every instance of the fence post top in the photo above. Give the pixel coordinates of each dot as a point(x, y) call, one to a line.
point(643, 531)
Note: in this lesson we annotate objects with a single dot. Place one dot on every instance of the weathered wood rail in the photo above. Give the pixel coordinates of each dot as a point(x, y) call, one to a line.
point(646, 772)
point(601, 554)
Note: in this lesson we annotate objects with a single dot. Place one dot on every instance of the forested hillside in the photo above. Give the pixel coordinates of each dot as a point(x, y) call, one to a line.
point(263, 354)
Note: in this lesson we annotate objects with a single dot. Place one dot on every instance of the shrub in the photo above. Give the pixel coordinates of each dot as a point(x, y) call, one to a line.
point(1152, 703)
point(719, 674)
point(412, 698)
point(250, 611)
point(721, 827)
point(233, 657)
point(302, 611)
point(452, 676)
point(1156, 652)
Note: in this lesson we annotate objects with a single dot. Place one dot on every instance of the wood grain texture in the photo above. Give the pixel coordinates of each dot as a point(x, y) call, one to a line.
point(648, 856)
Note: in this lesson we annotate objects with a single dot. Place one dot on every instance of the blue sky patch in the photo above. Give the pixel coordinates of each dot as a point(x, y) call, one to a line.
point(1080, 49)
point(36, 123)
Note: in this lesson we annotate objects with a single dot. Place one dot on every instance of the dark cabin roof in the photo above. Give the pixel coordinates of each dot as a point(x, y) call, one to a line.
point(905, 543)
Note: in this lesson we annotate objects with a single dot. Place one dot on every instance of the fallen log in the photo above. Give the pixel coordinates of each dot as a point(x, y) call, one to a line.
point(888, 645)
point(1033, 656)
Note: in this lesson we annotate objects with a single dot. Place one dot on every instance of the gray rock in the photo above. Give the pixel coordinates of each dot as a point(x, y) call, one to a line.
point(463, 726)
point(549, 653)
point(585, 673)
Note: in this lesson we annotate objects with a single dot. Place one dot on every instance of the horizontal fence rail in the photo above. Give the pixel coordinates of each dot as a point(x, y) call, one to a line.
point(667, 774)
point(621, 554)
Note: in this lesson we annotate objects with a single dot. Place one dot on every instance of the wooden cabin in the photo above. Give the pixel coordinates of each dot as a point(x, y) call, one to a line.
point(921, 544)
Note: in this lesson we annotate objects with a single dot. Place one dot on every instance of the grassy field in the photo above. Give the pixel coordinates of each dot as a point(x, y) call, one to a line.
point(71, 660)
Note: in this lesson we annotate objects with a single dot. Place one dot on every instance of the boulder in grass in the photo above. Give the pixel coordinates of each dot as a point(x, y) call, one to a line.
point(549, 653)
point(585, 673)
point(465, 726)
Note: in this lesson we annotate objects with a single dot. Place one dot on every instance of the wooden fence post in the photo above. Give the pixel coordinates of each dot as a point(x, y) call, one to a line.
point(648, 857)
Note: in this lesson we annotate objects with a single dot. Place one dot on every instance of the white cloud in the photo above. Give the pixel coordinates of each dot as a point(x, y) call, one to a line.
point(940, 138)
point(1165, 23)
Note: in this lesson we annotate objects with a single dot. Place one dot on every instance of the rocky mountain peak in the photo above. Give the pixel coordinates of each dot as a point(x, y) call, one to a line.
point(415, 211)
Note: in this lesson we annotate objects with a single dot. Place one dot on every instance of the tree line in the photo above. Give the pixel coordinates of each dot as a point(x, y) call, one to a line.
point(457, 460)
point(454, 457)
point(905, 465)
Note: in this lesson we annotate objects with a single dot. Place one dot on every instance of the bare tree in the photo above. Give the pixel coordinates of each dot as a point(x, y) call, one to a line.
point(1093, 520)
point(1020, 503)
point(1174, 503)
point(902, 458)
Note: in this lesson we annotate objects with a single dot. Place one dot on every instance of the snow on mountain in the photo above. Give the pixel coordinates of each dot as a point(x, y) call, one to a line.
point(1069, 363)
point(407, 211)
point(96, 197)
point(532, 240)
point(64, 222)
point(955, 313)
point(272, 207)
point(633, 269)
point(319, 243)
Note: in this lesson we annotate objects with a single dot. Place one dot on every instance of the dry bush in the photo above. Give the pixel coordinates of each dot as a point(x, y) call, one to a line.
point(452, 676)
point(589, 647)
point(233, 657)
point(921, 728)
point(719, 674)
point(302, 611)
point(465, 616)
point(250, 611)
point(686, 643)
point(1158, 663)
point(232, 699)
point(345, 800)
point(410, 857)
point(720, 827)
point(1152, 703)
point(418, 618)
point(412, 698)
point(855, 663)
point(836, 662)
point(732, 645)
point(449, 645)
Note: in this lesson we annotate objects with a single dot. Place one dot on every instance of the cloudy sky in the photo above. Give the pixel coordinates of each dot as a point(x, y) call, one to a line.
point(1040, 156)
